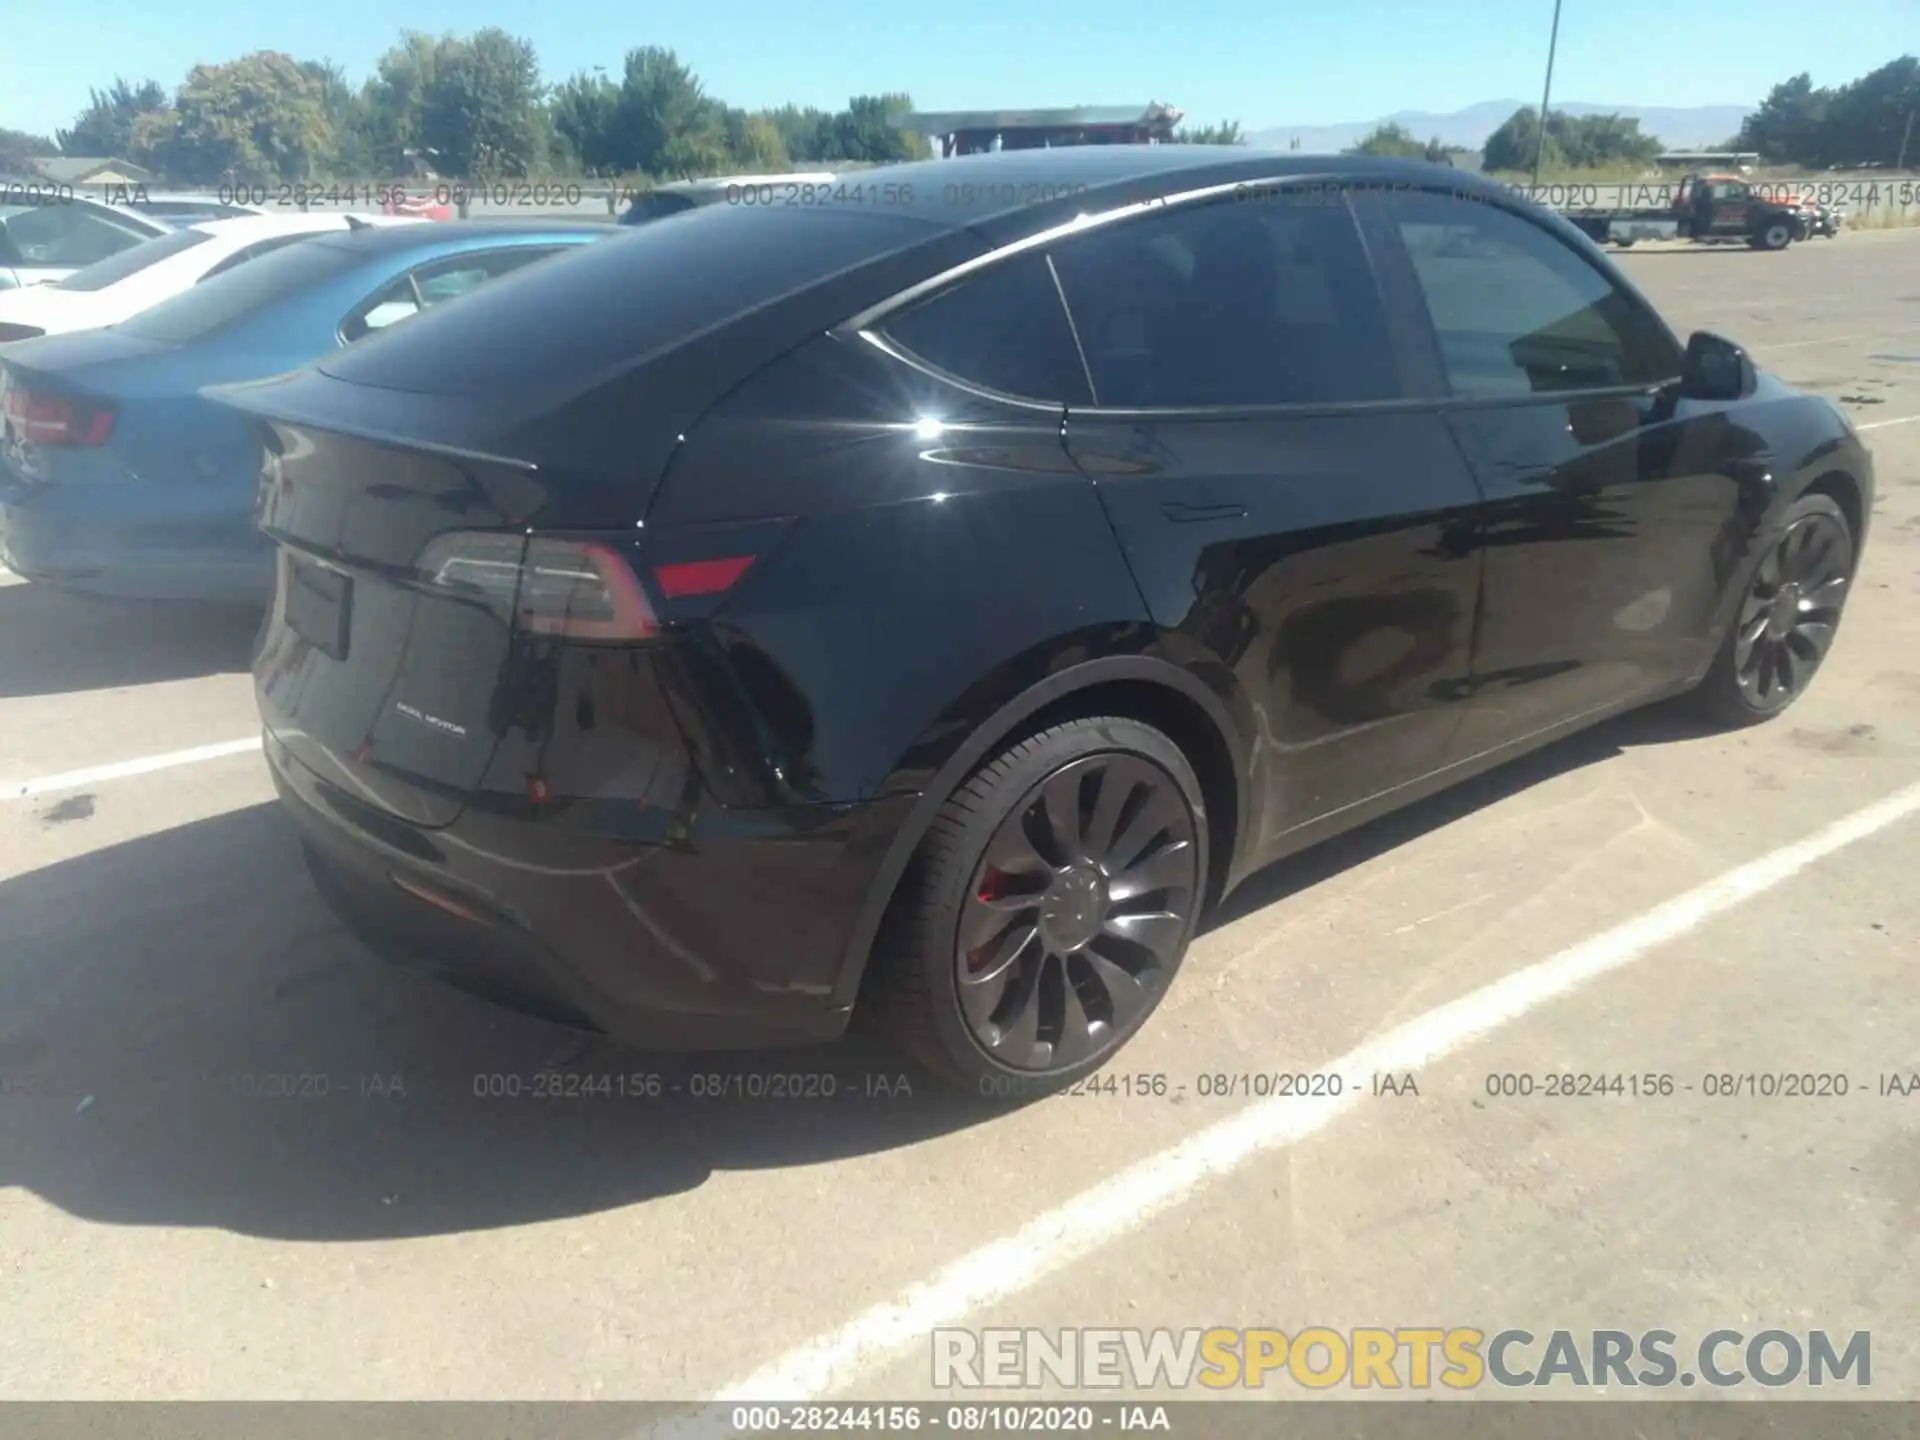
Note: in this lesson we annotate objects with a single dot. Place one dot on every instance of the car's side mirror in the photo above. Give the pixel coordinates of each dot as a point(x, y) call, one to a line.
point(1716, 369)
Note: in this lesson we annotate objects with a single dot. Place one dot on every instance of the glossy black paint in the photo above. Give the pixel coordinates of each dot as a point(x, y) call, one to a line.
point(692, 841)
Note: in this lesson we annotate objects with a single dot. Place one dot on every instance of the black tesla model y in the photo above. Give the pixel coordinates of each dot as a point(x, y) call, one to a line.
point(926, 595)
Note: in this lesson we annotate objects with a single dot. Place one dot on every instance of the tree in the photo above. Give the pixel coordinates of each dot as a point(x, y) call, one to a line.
point(393, 101)
point(664, 123)
point(258, 118)
point(482, 111)
point(584, 111)
point(1596, 140)
point(1582, 141)
point(870, 130)
point(805, 130)
point(754, 142)
point(1867, 118)
point(106, 126)
point(1392, 141)
point(1787, 128)
point(17, 148)
point(1225, 133)
point(352, 155)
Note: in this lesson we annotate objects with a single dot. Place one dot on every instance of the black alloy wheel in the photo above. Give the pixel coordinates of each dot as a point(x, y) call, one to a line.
point(1055, 897)
point(1078, 912)
point(1788, 615)
point(1791, 610)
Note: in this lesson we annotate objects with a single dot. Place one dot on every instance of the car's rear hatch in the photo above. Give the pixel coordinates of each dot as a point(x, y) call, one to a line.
point(371, 674)
point(410, 476)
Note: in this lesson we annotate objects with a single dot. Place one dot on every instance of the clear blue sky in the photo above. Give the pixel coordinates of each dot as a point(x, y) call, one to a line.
point(1261, 62)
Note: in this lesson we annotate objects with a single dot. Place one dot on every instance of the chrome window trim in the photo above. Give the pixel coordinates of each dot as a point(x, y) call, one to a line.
point(874, 314)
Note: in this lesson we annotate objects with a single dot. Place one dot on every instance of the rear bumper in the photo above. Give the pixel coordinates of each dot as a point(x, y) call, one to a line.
point(728, 938)
point(148, 542)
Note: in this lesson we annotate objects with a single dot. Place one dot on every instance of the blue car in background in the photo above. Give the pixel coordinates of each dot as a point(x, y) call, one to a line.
point(119, 478)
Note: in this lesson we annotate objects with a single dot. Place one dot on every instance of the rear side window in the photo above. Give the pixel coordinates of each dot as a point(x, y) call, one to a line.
point(1230, 304)
point(252, 252)
point(71, 236)
point(1003, 329)
point(1517, 311)
point(434, 283)
point(618, 301)
point(116, 268)
point(197, 313)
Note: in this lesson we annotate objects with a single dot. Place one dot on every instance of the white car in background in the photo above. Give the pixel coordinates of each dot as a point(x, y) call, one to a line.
point(123, 285)
point(47, 233)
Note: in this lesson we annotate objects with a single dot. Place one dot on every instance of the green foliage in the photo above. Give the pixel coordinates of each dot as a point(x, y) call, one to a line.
point(1391, 141)
point(481, 113)
point(869, 130)
point(1859, 123)
point(258, 118)
point(106, 126)
point(1573, 141)
point(1225, 133)
point(394, 100)
point(17, 148)
point(804, 130)
point(755, 142)
point(1395, 142)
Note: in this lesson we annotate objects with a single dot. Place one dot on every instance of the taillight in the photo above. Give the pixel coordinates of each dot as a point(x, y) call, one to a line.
point(44, 419)
point(581, 589)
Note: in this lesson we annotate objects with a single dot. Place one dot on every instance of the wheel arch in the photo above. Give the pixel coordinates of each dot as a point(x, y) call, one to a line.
point(1843, 489)
point(1145, 687)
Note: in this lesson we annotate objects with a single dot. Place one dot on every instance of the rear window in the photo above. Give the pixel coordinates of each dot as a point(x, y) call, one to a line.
point(116, 268)
point(223, 299)
point(623, 299)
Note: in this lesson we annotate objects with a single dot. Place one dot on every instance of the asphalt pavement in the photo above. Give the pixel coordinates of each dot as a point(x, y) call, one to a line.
point(238, 1160)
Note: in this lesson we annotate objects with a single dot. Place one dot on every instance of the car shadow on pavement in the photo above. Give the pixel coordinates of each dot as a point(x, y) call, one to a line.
point(53, 641)
point(1655, 725)
point(188, 1038)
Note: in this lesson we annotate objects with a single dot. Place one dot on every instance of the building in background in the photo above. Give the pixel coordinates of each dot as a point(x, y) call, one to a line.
point(77, 170)
point(1708, 160)
point(971, 132)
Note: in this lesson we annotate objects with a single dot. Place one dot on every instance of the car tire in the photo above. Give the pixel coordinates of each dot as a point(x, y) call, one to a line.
point(1047, 909)
point(1776, 235)
point(1811, 549)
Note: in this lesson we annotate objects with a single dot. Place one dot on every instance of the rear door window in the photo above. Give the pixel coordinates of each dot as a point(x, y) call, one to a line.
point(1235, 303)
point(1004, 329)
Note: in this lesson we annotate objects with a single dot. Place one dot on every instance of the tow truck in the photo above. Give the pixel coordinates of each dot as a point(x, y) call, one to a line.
point(1711, 208)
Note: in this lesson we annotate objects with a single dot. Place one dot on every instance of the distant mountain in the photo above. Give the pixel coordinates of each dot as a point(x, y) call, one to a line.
point(1677, 127)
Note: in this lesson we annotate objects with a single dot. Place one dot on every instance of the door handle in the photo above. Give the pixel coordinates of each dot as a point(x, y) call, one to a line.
point(1183, 513)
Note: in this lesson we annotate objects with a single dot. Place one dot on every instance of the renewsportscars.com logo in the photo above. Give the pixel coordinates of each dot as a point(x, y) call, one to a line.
point(1409, 1358)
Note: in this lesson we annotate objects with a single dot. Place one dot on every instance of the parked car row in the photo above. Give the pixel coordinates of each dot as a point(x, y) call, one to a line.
point(117, 476)
point(931, 608)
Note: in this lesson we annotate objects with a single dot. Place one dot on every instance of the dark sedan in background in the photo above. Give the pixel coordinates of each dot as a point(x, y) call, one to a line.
point(934, 605)
point(118, 478)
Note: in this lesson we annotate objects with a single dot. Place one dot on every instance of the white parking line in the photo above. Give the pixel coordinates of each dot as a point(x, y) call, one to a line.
point(1128, 1200)
point(94, 775)
point(1882, 424)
